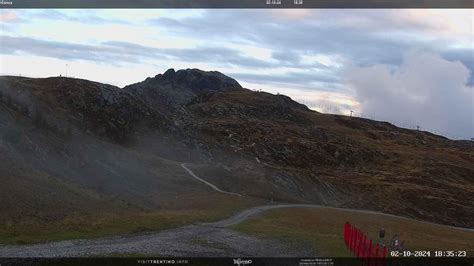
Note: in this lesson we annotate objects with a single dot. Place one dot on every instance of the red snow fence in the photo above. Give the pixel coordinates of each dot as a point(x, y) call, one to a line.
point(362, 247)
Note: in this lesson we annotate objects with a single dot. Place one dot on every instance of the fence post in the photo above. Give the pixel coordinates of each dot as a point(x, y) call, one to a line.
point(376, 253)
point(370, 253)
point(346, 233)
point(350, 237)
point(356, 244)
point(363, 252)
point(366, 247)
point(353, 239)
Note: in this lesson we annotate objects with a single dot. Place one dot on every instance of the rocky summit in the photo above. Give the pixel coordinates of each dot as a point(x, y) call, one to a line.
point(174, 89)
point(121, 144)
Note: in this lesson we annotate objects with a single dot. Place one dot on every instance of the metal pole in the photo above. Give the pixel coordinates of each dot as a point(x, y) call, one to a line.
point(381, 236)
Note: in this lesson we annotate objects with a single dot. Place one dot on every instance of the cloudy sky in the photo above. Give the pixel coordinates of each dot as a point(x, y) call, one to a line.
point(408, 67)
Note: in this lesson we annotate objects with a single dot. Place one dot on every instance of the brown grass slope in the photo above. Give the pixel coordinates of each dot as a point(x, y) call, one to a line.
point(321, 229)
point(63, 178)
point(88, 146)
point(338, 160)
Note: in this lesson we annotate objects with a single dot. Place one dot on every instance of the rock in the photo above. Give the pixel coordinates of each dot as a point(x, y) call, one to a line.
point(171, 91)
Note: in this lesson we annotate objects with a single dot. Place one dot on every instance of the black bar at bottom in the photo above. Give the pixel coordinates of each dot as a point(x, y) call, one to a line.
point(239, 261)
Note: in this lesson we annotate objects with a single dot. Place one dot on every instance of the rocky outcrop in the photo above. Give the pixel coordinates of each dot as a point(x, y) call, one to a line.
point(172, 90)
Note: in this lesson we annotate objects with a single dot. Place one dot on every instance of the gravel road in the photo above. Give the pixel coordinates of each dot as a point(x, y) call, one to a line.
point(206, 240)
point(201, 240)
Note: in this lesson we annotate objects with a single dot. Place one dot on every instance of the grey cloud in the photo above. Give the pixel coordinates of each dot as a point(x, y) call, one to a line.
point(62, 50)
point(288, 40)
point(223, 56)
point(230, 25)
point(289, 57)
point(363, 36)
point(86, 17)
point(115, 52)
point(466, 56)
point(302, 80)
point(426, 90)
point(218, 55)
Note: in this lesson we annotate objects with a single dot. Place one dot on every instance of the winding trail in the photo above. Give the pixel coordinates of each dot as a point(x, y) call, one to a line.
point(199, 240)
point(207, 183)
point(250, 213)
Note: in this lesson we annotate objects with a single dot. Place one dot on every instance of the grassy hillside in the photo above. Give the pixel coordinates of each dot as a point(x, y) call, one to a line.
point(322, 228)
point(338, 160)
point(80, 158)
point(98, 222)
point(56, 187)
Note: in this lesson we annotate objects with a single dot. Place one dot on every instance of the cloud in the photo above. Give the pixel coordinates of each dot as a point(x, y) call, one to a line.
point(425, 90)
point(334, 102)
point(287, 56)
point(363, 36)
point(64, 50)
point(302, 80)
point(117, 52)
point(81, 16)
point(9, 16)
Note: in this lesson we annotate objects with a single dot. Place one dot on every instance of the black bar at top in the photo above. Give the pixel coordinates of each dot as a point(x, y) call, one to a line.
point(236, 3)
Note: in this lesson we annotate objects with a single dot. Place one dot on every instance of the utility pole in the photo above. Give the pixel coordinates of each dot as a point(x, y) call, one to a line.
point(381, 236)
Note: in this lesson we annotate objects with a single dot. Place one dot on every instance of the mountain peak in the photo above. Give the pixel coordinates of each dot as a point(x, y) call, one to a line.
point(168, 73)
point(176, 88)
point(197, 80)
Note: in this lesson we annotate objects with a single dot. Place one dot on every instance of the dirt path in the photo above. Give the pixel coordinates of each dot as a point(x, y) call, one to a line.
point(258, 210)
point(201, 240)
point(207, 183)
